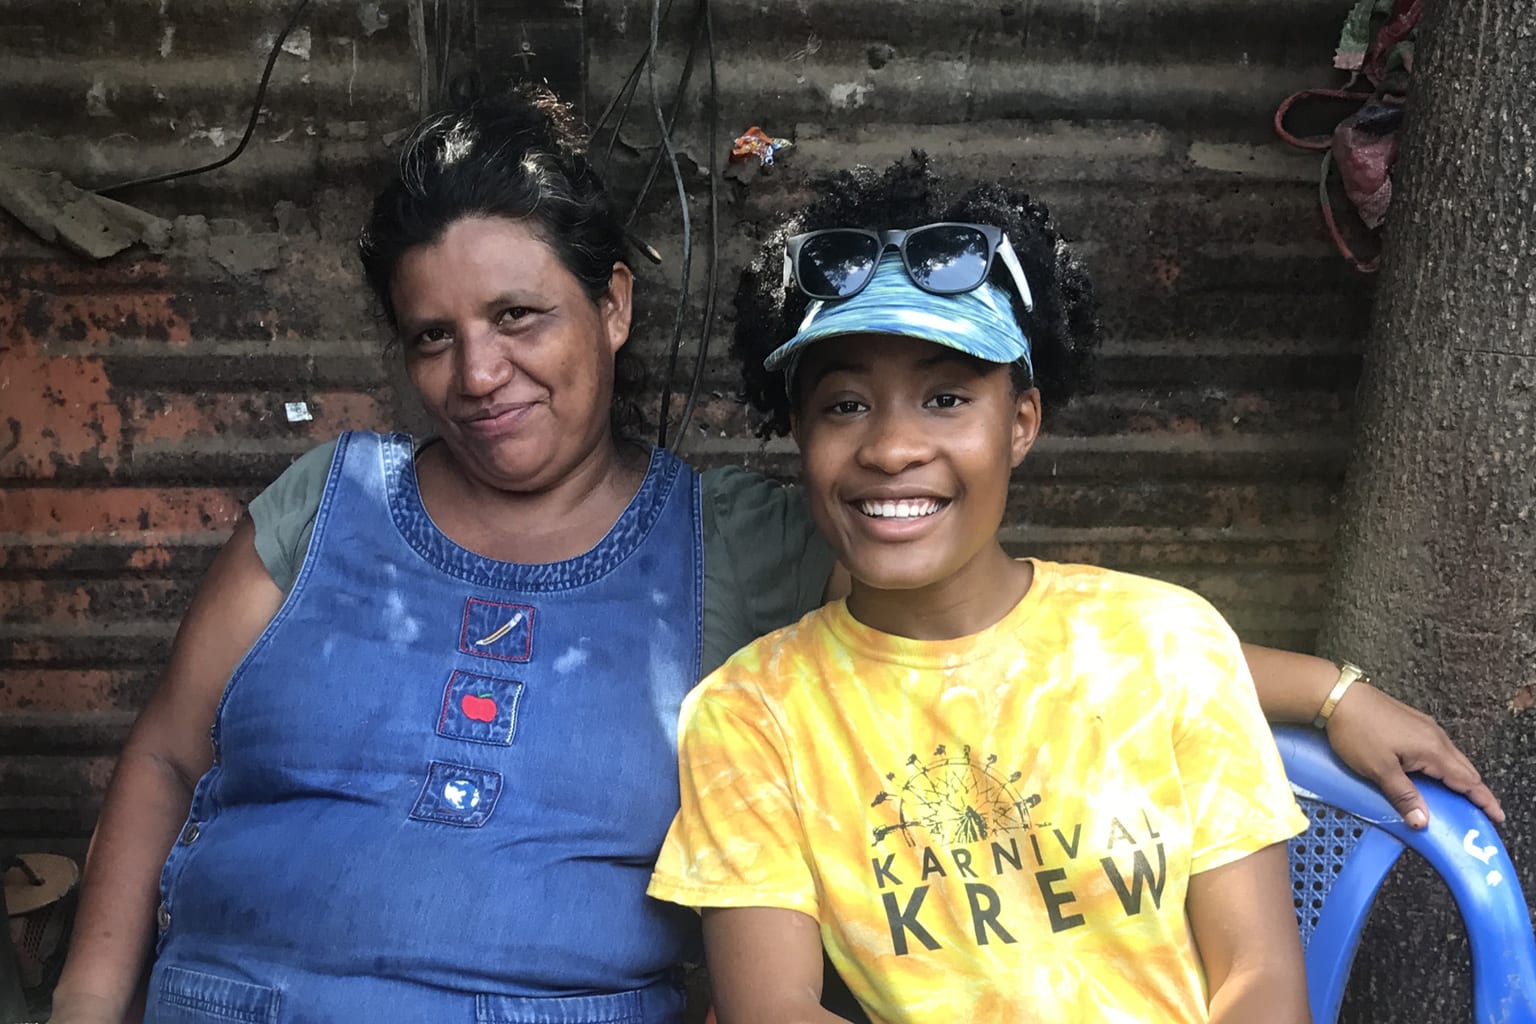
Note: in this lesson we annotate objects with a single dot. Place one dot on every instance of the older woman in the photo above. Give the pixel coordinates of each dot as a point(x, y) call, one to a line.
point(413, 754)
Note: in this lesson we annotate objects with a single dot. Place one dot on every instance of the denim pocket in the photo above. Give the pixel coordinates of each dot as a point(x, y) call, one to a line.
point(617, 1008)
point(192, 997)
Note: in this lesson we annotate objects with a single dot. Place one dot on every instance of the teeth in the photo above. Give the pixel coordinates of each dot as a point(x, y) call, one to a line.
point(907, 508)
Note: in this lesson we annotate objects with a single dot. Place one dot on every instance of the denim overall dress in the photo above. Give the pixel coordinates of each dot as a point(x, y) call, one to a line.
point(440, 781)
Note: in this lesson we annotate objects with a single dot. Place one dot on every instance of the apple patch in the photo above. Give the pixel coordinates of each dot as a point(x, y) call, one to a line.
point(456, 794)
point(493, 629)
point(480, 709)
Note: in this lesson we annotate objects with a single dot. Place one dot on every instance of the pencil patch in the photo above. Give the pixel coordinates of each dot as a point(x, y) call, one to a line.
point(493, 629)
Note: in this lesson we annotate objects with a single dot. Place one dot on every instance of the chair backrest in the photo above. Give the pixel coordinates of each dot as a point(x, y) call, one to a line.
point(1339, 863)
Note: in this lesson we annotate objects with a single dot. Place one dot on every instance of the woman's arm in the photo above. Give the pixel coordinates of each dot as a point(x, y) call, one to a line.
point(1375, 734)
point(166, 753)
point(1378, 736)
point(1245, 929)
point(765, 966)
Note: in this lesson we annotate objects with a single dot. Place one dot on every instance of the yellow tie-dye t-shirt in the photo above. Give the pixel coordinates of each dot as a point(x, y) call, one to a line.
point(996, 828)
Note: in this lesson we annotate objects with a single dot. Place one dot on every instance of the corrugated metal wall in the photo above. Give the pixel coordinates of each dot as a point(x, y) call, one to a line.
point(143, 399)
point(1212, 451)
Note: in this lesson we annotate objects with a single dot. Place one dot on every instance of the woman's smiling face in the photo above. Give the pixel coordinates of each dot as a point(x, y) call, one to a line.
point(907, 449)
point(510, 357)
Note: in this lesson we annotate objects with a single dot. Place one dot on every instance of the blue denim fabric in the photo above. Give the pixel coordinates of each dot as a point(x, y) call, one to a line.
point(444, 777)
point(196, 994)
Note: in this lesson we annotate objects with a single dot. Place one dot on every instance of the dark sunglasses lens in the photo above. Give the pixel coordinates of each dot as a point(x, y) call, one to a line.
point(836, 264)
point(949, 258)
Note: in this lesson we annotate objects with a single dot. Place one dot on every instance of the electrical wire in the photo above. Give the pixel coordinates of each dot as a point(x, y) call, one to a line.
point(682, 199)
point(250, 128)
point(443, 39)
point(621, 103)
point(626, 95)
point(417, 20)
point(712, 112)
point(677, 105)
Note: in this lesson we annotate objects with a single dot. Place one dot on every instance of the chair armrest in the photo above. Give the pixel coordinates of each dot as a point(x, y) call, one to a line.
point(1463, 846)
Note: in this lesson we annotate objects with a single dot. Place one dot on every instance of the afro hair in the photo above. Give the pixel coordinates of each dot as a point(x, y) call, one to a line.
point(1063, 327)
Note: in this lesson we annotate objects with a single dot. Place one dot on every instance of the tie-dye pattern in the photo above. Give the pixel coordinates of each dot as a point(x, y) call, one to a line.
point(995, 828)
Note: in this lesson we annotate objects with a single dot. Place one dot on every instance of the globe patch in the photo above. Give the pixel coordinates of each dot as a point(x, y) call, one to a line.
point(456, 794)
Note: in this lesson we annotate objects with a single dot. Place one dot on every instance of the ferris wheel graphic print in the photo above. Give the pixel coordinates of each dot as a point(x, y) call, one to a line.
point(956, 799)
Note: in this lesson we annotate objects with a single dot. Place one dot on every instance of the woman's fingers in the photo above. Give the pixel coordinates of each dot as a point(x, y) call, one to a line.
point(1448, 764)
point(1402, 794)
point(1384, 739)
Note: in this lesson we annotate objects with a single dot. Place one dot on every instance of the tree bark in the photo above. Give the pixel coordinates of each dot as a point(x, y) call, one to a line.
point(1434, 580)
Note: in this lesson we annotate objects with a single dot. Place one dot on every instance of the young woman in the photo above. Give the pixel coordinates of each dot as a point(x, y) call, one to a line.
point(994, 790)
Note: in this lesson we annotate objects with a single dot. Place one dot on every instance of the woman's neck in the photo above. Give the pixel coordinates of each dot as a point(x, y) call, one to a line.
point(552, 524)
point(976, 596)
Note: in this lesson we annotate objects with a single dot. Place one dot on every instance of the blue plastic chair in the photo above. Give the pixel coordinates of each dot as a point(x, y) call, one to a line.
point(1338, 865)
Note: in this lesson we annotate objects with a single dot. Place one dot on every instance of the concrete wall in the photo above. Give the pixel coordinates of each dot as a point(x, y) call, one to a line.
point(143, 399)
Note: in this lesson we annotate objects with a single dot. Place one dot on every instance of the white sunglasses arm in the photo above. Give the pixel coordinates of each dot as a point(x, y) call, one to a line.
point(1011, 261)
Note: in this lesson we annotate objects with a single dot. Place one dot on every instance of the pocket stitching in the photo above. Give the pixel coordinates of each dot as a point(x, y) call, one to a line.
point(171, 995)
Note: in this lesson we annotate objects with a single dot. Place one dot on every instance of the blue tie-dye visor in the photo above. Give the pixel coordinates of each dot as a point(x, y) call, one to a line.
point(978, 322)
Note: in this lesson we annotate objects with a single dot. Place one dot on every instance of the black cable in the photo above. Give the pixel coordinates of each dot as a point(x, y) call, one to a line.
point(713, 114)
point(627, 87)
point(453, 35)
point(442, 33)
point(626, 94)
point(677, 106)
point(682, 199)
point(250, 128)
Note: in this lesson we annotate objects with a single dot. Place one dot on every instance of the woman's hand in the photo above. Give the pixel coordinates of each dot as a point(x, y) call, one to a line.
point(1384, 739)
point(1378, 736)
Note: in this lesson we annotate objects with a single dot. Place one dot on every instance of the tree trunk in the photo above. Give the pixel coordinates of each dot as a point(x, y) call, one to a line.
point(1435, 575)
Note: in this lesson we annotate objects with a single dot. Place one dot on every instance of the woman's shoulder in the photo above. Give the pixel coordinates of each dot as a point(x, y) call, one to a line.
point(764, 563)
point(284, 512)
point(1140, 618)
point(1114, 592)
point(770, 668)
point(741, 504)
point(732, 484)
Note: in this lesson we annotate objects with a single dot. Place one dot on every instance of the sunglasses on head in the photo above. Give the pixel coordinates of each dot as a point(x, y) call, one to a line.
point(944, 259)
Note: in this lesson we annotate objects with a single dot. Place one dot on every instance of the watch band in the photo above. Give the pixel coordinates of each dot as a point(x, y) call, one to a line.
point(1349, 674)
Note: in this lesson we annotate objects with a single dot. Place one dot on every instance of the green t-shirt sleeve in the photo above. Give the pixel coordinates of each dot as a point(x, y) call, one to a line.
point(284, 514)
point(764, 563)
